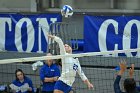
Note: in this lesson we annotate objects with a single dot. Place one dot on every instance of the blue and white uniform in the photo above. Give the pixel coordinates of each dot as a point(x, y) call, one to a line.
point(70, 66)
point(49, 72)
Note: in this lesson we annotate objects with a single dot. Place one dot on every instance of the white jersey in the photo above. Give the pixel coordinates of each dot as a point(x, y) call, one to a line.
point(70, 66)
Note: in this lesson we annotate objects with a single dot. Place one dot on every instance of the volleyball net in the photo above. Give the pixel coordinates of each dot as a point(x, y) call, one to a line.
point(99, 67)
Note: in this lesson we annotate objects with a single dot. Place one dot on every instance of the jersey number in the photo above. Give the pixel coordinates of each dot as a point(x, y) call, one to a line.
point(75, 67)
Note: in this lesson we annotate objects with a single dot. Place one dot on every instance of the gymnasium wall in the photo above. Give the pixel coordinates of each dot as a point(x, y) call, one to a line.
point(18, 6)
point(31, 6)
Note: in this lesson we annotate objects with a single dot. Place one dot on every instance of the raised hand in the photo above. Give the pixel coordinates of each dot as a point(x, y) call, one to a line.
point(90, 86)
point(51, 36)
point(131, 71)
point(123, 67)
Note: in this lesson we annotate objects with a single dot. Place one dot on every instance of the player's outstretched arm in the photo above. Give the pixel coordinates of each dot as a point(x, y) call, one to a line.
point(123, 67)
point(83, 77)
point(60, 43)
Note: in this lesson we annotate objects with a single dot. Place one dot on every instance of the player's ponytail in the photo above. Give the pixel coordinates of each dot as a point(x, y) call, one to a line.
point(129, 85)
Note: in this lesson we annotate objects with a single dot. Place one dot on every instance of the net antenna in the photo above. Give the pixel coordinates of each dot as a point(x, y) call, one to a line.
point(67, 32)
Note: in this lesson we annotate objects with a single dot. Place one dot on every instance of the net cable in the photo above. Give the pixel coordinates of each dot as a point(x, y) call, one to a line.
point(28, 59)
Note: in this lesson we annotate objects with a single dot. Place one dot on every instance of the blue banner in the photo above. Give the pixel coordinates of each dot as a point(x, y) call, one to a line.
point(105, 33)
point(25, 33)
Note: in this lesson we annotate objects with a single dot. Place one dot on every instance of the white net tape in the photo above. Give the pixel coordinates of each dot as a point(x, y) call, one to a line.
point(8, 61)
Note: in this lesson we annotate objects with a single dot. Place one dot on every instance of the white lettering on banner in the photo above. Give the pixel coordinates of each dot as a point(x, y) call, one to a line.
point(53, 20)
point(30, 35)
point(43, 26)
point(126, 35)
point(3, 28)
point(103, 33)
point(127, 39)
point(116, 48)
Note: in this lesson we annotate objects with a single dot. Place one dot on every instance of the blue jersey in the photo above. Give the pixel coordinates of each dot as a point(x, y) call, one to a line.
point(20, 84)
point(49, 72)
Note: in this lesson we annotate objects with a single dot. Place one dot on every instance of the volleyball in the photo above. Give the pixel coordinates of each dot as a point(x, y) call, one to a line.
point(67, 11)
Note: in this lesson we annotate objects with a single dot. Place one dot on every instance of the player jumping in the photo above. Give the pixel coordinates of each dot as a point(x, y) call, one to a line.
point(70, 66)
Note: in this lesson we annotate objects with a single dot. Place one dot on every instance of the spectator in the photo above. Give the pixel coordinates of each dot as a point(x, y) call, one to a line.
point(49, 74)
point(21, 84)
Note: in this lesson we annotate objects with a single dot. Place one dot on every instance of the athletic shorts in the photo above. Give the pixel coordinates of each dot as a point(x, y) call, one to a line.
point(60, 85)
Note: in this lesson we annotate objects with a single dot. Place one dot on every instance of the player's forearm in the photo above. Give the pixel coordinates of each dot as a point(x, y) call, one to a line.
point(116, 84)
point(131, 76)
point(120, 73)
point(53, 79)
point(61, 44)
point(86, 82)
